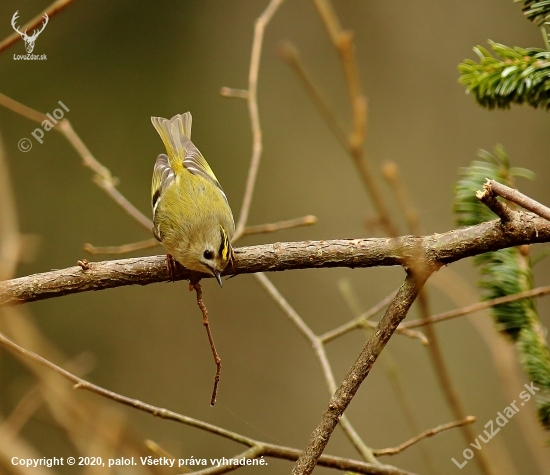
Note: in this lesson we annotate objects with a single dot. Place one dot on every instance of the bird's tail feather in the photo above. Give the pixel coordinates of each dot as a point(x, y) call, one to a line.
point(175, 133)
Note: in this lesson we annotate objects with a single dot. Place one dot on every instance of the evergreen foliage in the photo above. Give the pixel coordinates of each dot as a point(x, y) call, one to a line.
point(519, 76)
point(537, 11)
point(507, 272)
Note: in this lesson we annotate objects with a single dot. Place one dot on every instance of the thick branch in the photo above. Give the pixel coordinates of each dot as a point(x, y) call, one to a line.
point(437, 249)
point(395, 313)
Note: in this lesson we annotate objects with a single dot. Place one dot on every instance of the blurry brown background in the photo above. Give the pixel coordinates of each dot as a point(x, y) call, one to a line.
point(115, 64)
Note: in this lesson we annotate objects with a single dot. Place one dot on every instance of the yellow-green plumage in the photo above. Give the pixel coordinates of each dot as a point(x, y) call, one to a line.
point(191, 216)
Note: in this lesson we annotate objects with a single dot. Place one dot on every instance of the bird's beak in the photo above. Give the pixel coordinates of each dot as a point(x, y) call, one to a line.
point(218, 276)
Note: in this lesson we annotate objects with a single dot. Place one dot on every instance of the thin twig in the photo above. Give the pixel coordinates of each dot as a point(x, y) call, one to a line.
point(319, 349)
point(251, 453)
point(270, 450)
point(234, 93)
point(407, 406)
point(356, 322)
point(395, 313)
point(363, 321)
point(197, 287)
point(459, 312)
point(489, 199)
point(279, 226)
point(54, 8)
point(428, 433)
point(252, 99)
point(391, 174)
point(447, 385)
point(102, 177)
point(10, 237)
point(125, 248)
point(23, 411)
point(519, 198)
point(343, 42)
point(289, 52)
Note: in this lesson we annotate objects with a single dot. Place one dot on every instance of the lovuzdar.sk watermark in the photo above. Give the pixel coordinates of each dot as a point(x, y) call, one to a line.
point(493, 426)
point(29, 40)
point(48, 124)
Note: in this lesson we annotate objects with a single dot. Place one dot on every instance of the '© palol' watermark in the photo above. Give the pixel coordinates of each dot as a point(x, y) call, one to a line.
point(25, 144)
point(503, 417)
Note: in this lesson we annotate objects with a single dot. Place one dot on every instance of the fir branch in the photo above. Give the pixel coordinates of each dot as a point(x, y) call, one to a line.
point(506, 272)
point(537, 11)
point(519, 76)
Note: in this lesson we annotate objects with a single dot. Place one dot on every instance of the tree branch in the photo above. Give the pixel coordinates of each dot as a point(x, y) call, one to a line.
point(339, 402)
point(437, 250)
point(319, 348)
point(519, 198)
point(476, 307)
point(423, 435)
point(263, 448)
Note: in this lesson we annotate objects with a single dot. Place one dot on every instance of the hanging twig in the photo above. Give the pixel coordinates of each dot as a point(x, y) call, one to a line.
point(197, 287)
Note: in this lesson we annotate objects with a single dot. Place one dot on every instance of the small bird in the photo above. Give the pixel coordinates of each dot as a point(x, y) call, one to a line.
point(191, 215)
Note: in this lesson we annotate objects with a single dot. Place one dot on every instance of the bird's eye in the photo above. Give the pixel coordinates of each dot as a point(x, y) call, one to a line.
point(208, 254)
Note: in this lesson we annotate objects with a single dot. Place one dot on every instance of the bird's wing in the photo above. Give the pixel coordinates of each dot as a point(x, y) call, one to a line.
point(163, 177)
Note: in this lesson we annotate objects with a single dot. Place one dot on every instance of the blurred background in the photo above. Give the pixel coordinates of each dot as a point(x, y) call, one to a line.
point(116, 64)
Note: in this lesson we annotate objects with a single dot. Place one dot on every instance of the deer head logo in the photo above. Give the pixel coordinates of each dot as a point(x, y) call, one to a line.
point(29, 40)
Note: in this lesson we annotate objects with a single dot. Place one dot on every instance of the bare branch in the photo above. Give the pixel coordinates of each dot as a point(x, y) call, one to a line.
point(428, 433)
point(519, 198)
point(252, 99)
point(102, 177)
point(343, 42)
point(319, 349)
point(279, 226)
point(197, 287)
point(270, 450)
point(489, 199)
point(289, 53)
point(459, 312)
point(437, 250)
point(135, 246)
point(395, 313)
point(234, 93)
